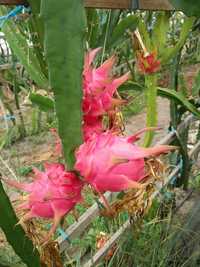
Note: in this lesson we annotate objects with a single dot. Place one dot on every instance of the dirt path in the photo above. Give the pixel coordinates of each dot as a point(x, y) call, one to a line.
point(137, 122)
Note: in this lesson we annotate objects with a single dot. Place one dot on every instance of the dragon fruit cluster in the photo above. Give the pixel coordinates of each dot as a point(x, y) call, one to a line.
point(107, 161)
point(99, 93)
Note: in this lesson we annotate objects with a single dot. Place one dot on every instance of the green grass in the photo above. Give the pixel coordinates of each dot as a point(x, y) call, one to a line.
point(152, 243)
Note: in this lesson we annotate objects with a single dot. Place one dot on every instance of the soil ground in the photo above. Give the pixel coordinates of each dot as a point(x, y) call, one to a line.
point(137, 122)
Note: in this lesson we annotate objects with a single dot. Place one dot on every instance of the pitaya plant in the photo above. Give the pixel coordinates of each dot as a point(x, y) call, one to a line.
point(51, 195)
point(107, 160)
point(99, 93)
point(114, 163)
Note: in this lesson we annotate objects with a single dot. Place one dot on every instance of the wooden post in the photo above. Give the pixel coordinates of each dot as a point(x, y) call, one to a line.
point(155, 5)
point(121, 4)
point(12, 2)
point(115, 4)
point(130, 4)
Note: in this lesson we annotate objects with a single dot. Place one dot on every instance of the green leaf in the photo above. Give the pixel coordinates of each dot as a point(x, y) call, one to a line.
point(93, 27)
point(145, 35)
point(35, 6)
point(172, 51)
point(179, 98)
point(167, 93)
point(127, 24)
point(107, 23)
point(130, 86)
point(64, 30)
point(190, 8)
point(196, 86)
point(151, 103)
point(159, 34)
point(112, 24)
point(43, 102)
point(36, 28)
point(181, 142)
point(23, 51)
point(15, 234)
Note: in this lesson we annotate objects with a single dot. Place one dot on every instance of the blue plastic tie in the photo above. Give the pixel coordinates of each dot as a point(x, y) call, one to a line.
point(8, 117)
point(13, 13)
point(181, 163)
point(174, 179)
point(171, 129)
point(63, 234)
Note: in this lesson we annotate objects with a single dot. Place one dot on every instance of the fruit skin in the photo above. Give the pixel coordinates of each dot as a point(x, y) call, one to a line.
point(52, 194)
point(113, 163)
point(99, 89)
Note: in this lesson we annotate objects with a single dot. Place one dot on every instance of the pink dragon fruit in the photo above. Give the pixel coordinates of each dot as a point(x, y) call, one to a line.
point(99, 89)
point(113, 163)
point(92, 127)
point(52, 194)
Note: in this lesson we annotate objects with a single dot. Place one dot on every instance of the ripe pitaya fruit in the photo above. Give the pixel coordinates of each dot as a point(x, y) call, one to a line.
point(52, 194)
point(99, 89)
point(113, 163)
